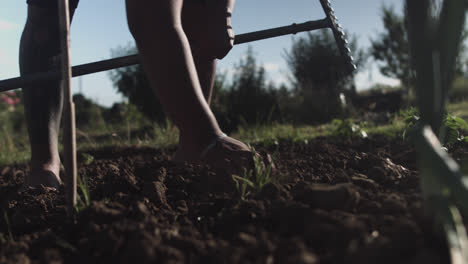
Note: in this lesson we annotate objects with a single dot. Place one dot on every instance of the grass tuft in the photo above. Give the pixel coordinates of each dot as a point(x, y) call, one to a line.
point(84, 200)
point(7, 221)
point(254, 179)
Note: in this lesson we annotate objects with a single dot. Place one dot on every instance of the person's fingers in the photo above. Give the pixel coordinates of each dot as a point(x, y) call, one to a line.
point(234, 157)
point(230, 155)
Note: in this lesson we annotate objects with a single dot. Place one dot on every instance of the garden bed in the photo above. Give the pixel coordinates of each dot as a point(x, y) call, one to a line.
point(354, 201)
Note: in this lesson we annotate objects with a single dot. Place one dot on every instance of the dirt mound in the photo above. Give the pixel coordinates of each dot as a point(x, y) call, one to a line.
point(335, 202)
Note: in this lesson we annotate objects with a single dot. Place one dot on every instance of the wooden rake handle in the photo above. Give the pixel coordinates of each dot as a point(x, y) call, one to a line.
point(69, 138)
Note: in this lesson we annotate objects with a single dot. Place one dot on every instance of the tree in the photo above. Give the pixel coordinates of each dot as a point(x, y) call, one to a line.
point(89, 115)
point(317, 75)
point(249, 100)
point(391, 49)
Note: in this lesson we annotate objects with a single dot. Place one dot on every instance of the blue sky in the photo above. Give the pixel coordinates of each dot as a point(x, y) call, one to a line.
point(100, 25)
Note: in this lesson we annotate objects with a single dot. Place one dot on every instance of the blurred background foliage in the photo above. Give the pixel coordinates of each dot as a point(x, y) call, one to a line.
point(316, 91)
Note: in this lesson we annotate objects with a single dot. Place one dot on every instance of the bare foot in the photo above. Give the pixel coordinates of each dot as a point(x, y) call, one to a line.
point(43, 177)
point(225, 153)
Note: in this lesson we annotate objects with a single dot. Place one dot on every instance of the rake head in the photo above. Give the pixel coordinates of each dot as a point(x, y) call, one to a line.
point(339, 35)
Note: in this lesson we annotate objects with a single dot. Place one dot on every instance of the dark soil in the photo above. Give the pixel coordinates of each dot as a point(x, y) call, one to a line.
point(336, 202)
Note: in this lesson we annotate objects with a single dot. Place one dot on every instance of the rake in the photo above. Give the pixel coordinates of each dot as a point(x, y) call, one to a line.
point(69, 132)
point(65, 73)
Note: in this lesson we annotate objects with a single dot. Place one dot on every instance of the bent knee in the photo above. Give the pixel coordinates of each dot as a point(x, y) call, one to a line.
point(153, 17)
point(214, 38)
point(42, 24)
point(219, 44)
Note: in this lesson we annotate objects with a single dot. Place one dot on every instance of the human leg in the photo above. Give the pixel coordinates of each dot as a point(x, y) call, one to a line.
point(209, 31)
point(206, 69)
point(168, 62)
point(208, 28)
point(43, 101)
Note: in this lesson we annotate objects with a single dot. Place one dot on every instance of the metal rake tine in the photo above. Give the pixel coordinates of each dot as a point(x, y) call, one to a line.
point(340, 36)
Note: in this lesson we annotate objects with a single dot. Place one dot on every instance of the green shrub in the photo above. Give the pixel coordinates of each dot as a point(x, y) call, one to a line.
point(459, 90)
point(88, 114)
point(346, 128)
point(132, 83)
point(248, 100)
point(318, 80)
point(453, 128)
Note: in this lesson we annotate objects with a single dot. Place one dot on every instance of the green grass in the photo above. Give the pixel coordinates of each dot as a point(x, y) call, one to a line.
point(254, 179)
point(126, 136)
point(269, 134)
point(84, 197)
point(459, 90)
point(390, 130)
point(459, 109)
point(7, 222)
point(15, 149)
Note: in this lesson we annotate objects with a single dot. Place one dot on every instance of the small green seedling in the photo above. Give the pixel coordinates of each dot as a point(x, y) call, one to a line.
point(7, 221)
point(254, 179)
point(87, 158)
point(84, 200)
point(243, 182)
point(412, 122)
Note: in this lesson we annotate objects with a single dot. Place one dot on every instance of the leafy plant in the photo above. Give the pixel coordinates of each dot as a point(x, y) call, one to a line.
point(412, 123)
point(255, 178)
point(346, 129)
point(87, 158)
point(452, 131)
point(455, 129)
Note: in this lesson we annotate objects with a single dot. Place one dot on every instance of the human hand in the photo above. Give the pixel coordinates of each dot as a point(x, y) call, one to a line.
point(233, 156)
